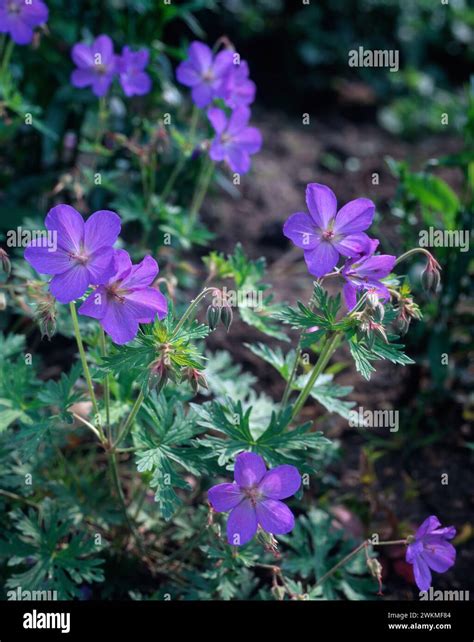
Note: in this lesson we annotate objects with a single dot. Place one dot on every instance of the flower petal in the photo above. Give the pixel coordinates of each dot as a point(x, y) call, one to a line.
point(224, 497)
point(238, 120)
point(142, 274)
point(46, 262)
point(322, 204)
point(353, 244)
point(82, 55)
point(275, 517)
point(218, 119)
point(249, 469)
point(249, 139)
point(95, 305)
point(355, 216)
point(300, 229)
point(101, 229)
point(202, 94)
point(101, 266)
point(70, 285)
point(153, 303)
point(238, 159)
point(430, 524)
point(322, 260)
point(69, 225)
point(187, 74)
point(375, 267)
point(438, 553)
point(350, 295)
point(242, 524)
point(200, 55)
point(281, 482)
point(120, 322)
point(422, 573)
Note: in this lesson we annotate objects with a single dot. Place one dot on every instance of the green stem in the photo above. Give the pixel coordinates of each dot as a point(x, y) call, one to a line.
point(326, 353)
point(359, 548)
point(85, 367)
point(201, 190)
point(7, 55)
point(118, 487)
point(341, 563)
point(287, 392)
point(171, 180)
point(404, 256)
point(194, 123)
point(192, 306)
point(128, 423)
point(103, 347)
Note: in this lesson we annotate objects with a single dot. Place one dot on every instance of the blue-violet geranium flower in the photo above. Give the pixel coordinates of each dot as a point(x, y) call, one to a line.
point(235, 141)
point(127, 299)
point(254, 498)
point(326, 233)
point(83, 252)
point(431, 550)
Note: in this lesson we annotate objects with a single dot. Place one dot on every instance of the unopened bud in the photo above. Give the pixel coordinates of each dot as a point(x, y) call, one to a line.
point(196, 379)
point(5, 261)
point(278, 592)
point(375, 568)
point(227, 316)
point(431, 276)
point(213, 316)
point(3, 301)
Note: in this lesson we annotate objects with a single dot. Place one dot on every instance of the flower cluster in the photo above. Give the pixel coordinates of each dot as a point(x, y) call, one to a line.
point(84, 256)
point(97, 65)
point(325, 234)
point(18, 18)
point(223, 77)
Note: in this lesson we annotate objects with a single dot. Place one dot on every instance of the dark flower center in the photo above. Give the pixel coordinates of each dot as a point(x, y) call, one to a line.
point(115, 292)
point(100, 69)
point(208, 76)
point(13, 7)
point(81, 257)
point(253, 493)
point(328, 235)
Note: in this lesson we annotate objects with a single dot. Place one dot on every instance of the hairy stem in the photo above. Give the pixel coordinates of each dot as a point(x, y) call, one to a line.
point(201, 190)
point(192, 306)
point(85, 368)
point(414, 250)
point(326, 353)
point(359, 548)
point(286, 394)
point(129, 421)
point(103, 347)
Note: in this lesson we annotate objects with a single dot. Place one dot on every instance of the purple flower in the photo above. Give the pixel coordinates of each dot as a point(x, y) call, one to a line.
point(234, 141)
point(82, 253)
point(431, 550)
point(204, 72)
point(131, 64)
point(97, 65)
point(254, 498)
point(325, 233)
point(127, 299)
point(238, 90)
point(19, 17)
point(364, 273)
